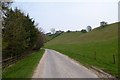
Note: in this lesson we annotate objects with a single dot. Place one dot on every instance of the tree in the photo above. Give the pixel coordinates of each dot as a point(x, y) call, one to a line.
point(20, 34)
point(40, 41)
point(52, 30)
point(14, 33)
point(103, 24)
point(68, 31)
point(5, 5)
point(83, 31)
point(89, 28)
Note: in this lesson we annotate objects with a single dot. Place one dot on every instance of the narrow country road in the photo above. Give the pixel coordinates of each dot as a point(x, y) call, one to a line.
point(56, 65)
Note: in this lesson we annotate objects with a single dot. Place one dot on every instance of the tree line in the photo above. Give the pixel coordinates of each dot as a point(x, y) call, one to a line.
point(19, 33)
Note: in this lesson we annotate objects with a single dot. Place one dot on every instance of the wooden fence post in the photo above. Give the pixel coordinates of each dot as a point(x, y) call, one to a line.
point(113, 59)
point(95, 55)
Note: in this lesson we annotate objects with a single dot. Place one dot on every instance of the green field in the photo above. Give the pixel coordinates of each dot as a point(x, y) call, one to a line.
point(95, 48)
point(25, 67)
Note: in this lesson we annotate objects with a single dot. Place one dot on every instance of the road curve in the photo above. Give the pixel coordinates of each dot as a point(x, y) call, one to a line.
point(56, 65)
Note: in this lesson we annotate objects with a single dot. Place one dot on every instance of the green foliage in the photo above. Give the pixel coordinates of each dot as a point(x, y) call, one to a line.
point(40, 41)
point(19, 33)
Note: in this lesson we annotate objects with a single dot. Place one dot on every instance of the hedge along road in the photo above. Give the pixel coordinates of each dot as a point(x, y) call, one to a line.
point(56, 65)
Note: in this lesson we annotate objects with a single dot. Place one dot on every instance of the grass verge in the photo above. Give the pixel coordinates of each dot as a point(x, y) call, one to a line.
point(25, 67)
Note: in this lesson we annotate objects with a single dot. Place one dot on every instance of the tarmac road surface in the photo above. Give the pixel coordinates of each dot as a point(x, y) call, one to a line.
point(56, 65)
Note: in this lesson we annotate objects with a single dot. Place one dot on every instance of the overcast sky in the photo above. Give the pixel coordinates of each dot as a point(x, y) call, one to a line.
point(69, 14)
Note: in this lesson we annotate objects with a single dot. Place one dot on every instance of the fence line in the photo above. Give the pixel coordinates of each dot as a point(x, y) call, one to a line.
point(12, 60)
point(114, 57)
point(9, 61)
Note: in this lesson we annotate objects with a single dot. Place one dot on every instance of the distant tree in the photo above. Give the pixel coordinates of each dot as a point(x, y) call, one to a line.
point(59, 32)
point(48, 34)
point(83, 31)
point(76, 31)
point(89, 28)
point(103, 24)
point(68, 31)
point(62, 32)
point(52, 30)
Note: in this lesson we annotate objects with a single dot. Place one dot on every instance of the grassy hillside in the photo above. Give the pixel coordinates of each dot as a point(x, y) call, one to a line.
point(95, 48)
point(52, 36)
